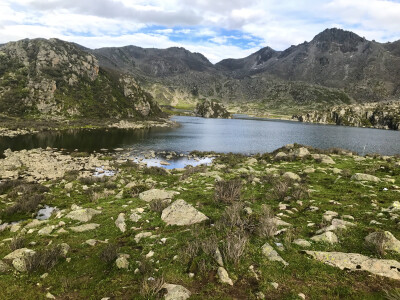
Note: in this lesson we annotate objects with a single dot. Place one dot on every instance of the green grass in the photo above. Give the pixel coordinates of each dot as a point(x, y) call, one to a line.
point(88, 277)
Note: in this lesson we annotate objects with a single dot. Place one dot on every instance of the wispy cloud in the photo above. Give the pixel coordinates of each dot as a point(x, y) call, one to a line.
point(218, 29)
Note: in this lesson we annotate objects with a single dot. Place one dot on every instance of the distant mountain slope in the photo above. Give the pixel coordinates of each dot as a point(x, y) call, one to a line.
point(55, 78)
point(340, 65)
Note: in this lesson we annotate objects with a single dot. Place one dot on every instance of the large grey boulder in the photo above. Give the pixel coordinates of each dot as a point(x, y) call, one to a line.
point(176, 292)
point(358, 262)
point(384, 239)
point(365, 177)
point(19, 253)
point(156, 194)
point(83, 215)
point(301, 152)
point(182, 213)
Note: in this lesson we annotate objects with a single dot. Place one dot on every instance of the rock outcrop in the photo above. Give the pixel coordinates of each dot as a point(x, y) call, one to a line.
point(211, 109)
point(378, 115)
point(53, 78)
point(358, 262)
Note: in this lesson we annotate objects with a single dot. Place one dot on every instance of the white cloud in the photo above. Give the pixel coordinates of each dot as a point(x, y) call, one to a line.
point(214, 28)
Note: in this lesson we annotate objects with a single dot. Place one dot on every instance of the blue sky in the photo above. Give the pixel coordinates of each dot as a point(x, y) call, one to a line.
point(218, 29)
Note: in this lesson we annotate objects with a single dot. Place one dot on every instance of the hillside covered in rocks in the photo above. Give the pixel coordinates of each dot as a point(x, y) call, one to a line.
point(297, 223)
point(55, 79)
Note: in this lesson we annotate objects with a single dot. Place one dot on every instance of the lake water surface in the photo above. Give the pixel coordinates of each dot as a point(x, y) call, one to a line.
point(246, 136)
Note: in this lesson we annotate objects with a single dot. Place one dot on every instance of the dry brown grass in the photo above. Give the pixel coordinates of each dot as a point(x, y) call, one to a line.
point(109, 253)
point(377, 244)
point(158, 205)
point(190, 170)
point(266, 226)
point(151, 287)
point(281, 188)
point(228, 191)
point(17, 243)
point(43, 260)
point(234, 246)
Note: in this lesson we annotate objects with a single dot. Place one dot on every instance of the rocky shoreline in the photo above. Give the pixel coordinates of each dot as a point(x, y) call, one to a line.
point(241, 225)
point(374, 115)
point(121, 124)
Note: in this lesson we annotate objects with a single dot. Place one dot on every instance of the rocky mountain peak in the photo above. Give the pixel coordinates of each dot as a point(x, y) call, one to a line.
point(334, 39)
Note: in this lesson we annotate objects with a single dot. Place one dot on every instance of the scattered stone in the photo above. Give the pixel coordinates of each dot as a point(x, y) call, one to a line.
point(50, 296)
point(122, 262)
point(120, 222)
point(280, 155)
point(292, 176)
point(141, 235)
point(181, 213)
point(301, 152)
point(365, 177)
point(19, 264)
point(309, 170)
point(91, 242)
point(85, 227)
point(302, 243)
point(134, 217)
point(271, 254)
point(326, 237)
point(176, 292)
point(218, 258)
point(46, 230)
point(329, 215)
point(83, 215)
point(274, 284)
point(156, 194)
point(336, 224)
point(223, 276)
point(150, 254)
point(358, 262)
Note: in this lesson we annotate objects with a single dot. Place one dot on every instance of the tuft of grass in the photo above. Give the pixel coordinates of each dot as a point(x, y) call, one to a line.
point(281, 188)
point(266, 226)
point(43, 260)
point(234, 247)
point(228, 191)
point(109, 253)
point(151, 287)
point(158, 205)
point(155, 171)
point(17, 243)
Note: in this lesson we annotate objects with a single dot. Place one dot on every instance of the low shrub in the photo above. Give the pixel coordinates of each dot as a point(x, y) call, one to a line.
point(228, 191)
point(158, 205)
point(17, 243)
point(234, 247)
point(109, 253)
point(155, 171)
point(151, 287)
point(266, 223)
point(43, 260)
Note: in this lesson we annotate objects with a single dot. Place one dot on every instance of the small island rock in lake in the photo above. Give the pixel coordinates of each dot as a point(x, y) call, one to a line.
point(211, 109)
